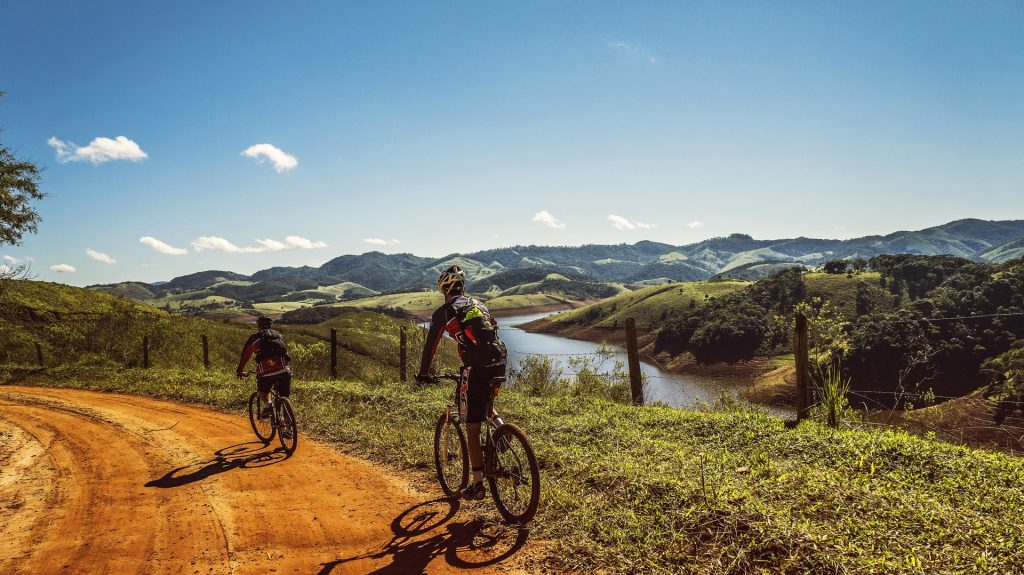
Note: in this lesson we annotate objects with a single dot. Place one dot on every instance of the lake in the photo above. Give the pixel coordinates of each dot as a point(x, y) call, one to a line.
point(675, 389)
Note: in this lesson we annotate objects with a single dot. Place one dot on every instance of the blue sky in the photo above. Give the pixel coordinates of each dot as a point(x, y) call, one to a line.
point(458, 126)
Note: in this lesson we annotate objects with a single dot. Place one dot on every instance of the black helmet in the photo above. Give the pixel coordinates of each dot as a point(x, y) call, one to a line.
point(264, 322)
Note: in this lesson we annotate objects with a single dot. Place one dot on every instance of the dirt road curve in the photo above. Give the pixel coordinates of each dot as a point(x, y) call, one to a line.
point(102, 483)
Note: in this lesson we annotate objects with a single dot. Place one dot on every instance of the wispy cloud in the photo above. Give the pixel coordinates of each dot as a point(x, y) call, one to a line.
point(282, 160)
point(63, 268)
point(622, 223)
point(304, 244)
point(162, 247)
point(219, 244)
point(632, 48)
point(12, 260)
point(695, 225)
point(99, 256)
point(98, 151)
point(381, 242)
point(548, 220)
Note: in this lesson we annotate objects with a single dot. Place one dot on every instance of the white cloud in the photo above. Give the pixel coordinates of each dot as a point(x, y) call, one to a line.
point(219, 244)
point(304, 244)
point(162, 247)
point(622, 223)
point(216, 244)
point(620, 45)
point(100, 256)
point(98, 151)
point(695, 225)
point(381, 242)
point(282, 160)
point(63, 268)
point(12, 260)
point(6, 269)
point(636, 49)
point(548, 220)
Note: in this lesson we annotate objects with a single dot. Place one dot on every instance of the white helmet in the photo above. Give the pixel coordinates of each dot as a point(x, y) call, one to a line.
point(451, 278)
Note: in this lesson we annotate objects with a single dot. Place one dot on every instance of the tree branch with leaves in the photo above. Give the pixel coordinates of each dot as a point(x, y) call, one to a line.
point(19, 187)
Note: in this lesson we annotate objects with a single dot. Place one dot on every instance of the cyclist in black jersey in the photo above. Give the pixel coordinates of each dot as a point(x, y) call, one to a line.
point(470, 324)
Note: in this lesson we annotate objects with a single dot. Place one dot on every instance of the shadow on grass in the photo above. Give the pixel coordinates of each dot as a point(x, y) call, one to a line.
point(465, 545)
point(240, 456)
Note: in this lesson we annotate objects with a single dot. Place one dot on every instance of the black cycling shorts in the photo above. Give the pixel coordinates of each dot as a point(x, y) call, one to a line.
point(281, 382)
point(478, 395)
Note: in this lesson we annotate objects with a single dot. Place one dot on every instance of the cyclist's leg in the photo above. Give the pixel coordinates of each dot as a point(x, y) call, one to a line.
point(283, 384)
point(263, 385)
point(479, 400)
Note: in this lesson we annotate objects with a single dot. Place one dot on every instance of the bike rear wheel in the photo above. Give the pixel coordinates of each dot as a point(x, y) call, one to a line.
point(264, 428)
point(289, 431)
point(451, 456)
point(515, 477)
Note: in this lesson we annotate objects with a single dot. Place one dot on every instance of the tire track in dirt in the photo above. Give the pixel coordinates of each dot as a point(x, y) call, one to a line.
point(105, 483)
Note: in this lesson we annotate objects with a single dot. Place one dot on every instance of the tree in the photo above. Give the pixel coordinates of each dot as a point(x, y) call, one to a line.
point(19, 185)
point(835, 267)
point(864, 303)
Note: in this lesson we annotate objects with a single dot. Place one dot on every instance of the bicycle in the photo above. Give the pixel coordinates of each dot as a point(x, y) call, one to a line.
point(510, 465)
point(280, 423)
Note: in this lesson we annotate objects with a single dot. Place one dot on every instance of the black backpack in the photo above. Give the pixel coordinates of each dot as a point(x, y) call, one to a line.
point(480, 334)
point(271, 345)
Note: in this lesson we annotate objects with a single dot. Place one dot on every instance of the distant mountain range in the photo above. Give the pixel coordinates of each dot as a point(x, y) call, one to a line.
point(645, 262)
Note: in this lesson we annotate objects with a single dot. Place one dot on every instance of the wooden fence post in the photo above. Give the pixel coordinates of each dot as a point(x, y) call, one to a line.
point(633, 355)
point(334, 353)
point(800, 352)
point(206, 352)
point(403, 361)
point(145, 352)
point(39, 354)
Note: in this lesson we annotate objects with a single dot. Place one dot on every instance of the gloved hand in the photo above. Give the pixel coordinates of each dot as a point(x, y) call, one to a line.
point(424, 378)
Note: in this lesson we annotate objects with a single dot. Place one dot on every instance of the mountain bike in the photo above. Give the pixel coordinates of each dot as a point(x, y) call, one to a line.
point(510, 465)
point(280, 423)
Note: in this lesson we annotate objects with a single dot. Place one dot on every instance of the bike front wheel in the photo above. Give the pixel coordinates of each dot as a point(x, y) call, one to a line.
point(289, 431)
point(264, 428)
point(515, 477)
point(451, 456)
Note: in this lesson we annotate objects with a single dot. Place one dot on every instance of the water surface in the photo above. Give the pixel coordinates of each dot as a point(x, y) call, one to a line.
point(675, 389)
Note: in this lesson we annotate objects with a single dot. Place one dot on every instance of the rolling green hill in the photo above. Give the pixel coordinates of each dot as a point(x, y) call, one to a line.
point(648, 306)
point(736, 256)
point(80, 326)
point(1011, 250)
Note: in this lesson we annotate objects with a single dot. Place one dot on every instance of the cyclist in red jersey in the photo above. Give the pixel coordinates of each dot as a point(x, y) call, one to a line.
point(470, 324)
point(273, 363)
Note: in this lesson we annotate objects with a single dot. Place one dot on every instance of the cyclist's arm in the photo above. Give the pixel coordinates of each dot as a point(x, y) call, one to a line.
point(434, 335)
point(250, 348)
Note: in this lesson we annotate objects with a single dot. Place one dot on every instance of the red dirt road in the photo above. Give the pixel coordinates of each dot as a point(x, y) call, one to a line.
point(104, 483)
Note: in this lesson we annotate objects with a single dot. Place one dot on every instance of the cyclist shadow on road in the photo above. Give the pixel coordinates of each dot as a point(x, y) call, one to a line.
point(240, 456)
point(466, 545)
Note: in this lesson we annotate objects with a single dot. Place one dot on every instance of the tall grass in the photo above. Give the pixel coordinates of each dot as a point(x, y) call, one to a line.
point(598, 375)
point(831, 389)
